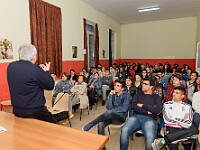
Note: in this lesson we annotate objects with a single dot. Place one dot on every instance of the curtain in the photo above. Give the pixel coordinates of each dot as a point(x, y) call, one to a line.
point(96, 48)
point(46, 33)
point(85, 44)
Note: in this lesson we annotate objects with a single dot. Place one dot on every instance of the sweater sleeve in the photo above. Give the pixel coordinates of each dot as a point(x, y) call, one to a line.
point(109, 105)
point(136, 108)
point(44, 79)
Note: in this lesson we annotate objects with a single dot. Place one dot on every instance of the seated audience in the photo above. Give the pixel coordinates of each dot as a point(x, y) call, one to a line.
point(94, 88)
point(137, 82)
point(191, 84)
point(106, 84)
point(176, 81)
point(63, 86)
point(121, 74)
point(196, 105)
point(79, 94)
point(178, 120)
point(146, 106)
point(130, 88)
point(73, 77)
point(117, 105)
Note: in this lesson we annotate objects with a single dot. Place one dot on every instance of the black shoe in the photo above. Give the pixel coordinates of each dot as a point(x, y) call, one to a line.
point(90, 107)
point(103, 102)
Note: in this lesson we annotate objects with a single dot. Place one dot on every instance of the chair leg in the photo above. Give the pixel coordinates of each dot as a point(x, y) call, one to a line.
point(70, 123)
point(108, 130)
point(80, 114)
point(132, 137)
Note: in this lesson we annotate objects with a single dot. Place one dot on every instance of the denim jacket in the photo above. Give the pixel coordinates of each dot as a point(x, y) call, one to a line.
point(62, 86)
point(120, 104)
point(97, 85)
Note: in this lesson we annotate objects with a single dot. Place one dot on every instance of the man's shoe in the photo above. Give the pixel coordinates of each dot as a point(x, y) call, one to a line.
point(158, 143)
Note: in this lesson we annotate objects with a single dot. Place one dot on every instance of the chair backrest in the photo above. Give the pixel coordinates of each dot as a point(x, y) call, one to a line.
point(48, 97)
point(61, 102)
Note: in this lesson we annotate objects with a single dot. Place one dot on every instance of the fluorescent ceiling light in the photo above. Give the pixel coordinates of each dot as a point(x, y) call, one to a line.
point(148, 9)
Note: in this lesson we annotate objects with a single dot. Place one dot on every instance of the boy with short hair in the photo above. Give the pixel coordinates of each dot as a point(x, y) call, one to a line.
point(178, 121)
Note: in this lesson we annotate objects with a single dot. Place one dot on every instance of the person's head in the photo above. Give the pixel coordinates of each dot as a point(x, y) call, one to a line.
point(28, 52)
point(178, 93)
point(144, 73)
point(94, 70)
point(103, 68)
point(72, 72)
point(64, 76)
point(129, 81)
point(107, 72)
point(194, 75)
point(198, 80)
point(80, 78)
point(160, 73)
point(121, 69)
point(148, 69)
point(148, 85)
point(96, 76)
point(177, 78)
point(138, 77)
point(119, 86)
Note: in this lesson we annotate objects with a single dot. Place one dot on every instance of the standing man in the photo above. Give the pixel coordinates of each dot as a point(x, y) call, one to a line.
point(146, 106)
point(27, 82)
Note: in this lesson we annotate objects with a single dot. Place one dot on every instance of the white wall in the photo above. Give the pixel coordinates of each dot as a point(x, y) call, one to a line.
point(15, 25)
point(173, 38)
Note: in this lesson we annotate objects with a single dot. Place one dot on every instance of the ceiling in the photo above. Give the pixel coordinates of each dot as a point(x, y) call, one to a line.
point(126, 11)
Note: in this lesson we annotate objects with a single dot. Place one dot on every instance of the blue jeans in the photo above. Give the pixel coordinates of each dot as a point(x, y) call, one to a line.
point(196, 120)
point(105, 119)
point(139, 122)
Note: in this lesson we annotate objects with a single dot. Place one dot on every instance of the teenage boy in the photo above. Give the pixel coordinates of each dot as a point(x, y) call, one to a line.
point(146, 106)
point(117, 105)
point(178, 120)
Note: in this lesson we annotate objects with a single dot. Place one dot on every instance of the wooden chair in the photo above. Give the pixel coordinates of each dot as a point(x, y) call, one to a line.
point(61, 105)
point(81, 111)
point(5, 103)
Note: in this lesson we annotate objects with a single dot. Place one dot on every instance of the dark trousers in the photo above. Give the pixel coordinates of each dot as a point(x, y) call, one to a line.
point(42, 114)
point(182, 134)
point(91, 97)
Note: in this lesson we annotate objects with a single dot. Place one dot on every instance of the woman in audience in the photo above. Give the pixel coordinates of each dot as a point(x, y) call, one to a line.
point(112, 71)
point(73, 77)
point(144, 74)
point(64, 86)
point(131, 71)
point(191, 84)
point(137, 82)
point(94, 88)
point(79, 94)
point(85, 74)
point(103, 71)
point(130, 88)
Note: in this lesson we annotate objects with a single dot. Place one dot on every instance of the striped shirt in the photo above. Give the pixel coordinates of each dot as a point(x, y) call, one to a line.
point(174, 114)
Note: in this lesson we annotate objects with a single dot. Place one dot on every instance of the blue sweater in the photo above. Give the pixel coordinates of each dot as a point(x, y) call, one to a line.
point(120, 104)
point(151, 103)
point(27, 82)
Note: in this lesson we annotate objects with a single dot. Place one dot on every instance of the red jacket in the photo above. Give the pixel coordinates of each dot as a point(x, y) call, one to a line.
point(169, 93)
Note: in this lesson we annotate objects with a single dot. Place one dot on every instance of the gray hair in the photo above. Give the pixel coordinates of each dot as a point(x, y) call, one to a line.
point(27, 52)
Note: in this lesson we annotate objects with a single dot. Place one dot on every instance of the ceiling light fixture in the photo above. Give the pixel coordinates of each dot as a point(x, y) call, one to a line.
point(148, 9)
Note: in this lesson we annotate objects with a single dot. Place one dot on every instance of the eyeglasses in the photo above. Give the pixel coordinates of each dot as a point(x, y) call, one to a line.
point(145, 84)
